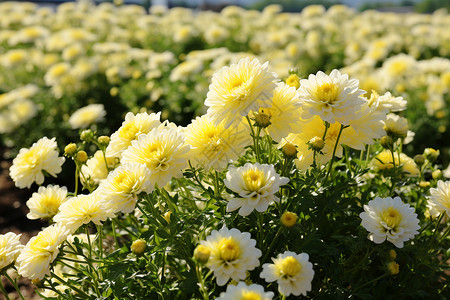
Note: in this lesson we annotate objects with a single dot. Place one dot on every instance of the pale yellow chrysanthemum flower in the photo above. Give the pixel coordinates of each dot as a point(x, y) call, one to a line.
point(284, 112)
point(242, 291)
point(383, 161)
point(46, 202)
point(85, 116)
point(293, 272)
point(396, 126)
point(83, 209)
point(233, 253)
point(238, 89)
point(56, 73)
point(123, 185)
point(387, 102)
point(40, 251)
point(389, 219)
point(131, 129)
point(256, 184)
point(10, 248)
point(439, 198)
point(95, 168)
point(334, 97)
point(30, 163)
point(163, 150)
point(213, 146)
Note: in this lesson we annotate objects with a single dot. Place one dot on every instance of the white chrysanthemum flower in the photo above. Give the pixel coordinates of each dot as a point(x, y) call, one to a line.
point(293, 273)
point(284, 112)
point(233, 253)
point(389, 219)
point(30, 163)
point(387, 102)
point(334, 97)
point(256, 185)
point(238, 89)
point(396, 126)
point(131, 129)
point(162, 150)
point(46, 202)
point(10, 247)
point(214, 146)
point(123, 185)
point(40, 251)
point(439, 198)
point(242, 291)
point(83, 209)
point(95, 168)
point(85, 116)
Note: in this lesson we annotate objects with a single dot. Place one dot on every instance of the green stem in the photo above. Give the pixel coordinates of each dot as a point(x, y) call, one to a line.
point(69, 285)
point(272, 245)
point(436, 228)
point(113, 229)
point(334, 152)
point(91, 267)
point(370, 282)
point(260, 230)
point(394, 176)
point(13, 282)
point(196, 178)
point(255, 140)
point(201, 281)
point(77, 171)
point(2, 288)
point(100, 240)
point(447, 231)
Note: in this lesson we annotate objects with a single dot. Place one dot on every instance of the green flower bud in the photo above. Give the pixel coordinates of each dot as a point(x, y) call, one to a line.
point(138, 247)
point(70, 149)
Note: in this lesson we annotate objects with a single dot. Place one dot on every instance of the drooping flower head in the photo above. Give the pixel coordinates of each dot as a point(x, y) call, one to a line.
point(122, 186)
point(131, 129)
point(391, 219)
point(29, 165)
point(214, 146)
point(233, 253)
point(46, 202)
point(238, 89)
point(85, 116)
point(10, 247)
point(256, 185)
point(242, 291)
point(439, 198)
point(83, 209)
point(40, 251)
point(334, 97)
point(293, 273)
point(163, 150)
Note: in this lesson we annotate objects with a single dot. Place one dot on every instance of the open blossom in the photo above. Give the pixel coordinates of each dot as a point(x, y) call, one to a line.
point(293, 273)
point(245, 292)
point(334, 97)
point(383, 161)
point(131, 129)
point(95, 169)
point(123, 185)
point(256, 185)
point(238, 89)
point(83, 209)
point(233, 253)
point(85, 116)
point(439, 198)
point(389, 219)
point(46, 202)
point(10, 247)
point(214, 146)
point(29, 165)
point(40, 251)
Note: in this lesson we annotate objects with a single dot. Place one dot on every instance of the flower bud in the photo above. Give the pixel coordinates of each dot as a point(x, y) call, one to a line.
point(392, 254)
point(104, 140)
point(81, 157)
point(419, 159)
point(430, 154)
point(262, 120)
point(289, 219)
point(437, 174)
point(86, 135)
point(424, 184)
point(167, 216)
point(316, 143)
point(138, 247)
point(70, 149)
point(201, 254)
point(393, 268)
point(293, 80)
point(114, 91)
point(387, 142)
point(289, 150)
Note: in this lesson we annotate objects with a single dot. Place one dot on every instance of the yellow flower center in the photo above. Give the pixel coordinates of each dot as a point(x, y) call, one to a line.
point(31, 158)
point(327, 92)
point(156, 158)
point(250, 295)
point(58, 70)
point(254, 179)
point(123, 183)
point(392, 217)
point(229, 249)
point(240, 89)
point(290, 267)
point(129, 131)
point(50, 205)
point(17, 57)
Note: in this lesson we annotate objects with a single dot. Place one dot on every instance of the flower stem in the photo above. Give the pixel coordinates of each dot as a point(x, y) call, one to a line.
point(2, 288)
point(394, 176)
point(370, 282)
point(334, 152)
point(13, 282)
point(201, 281)
point(272, 245)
